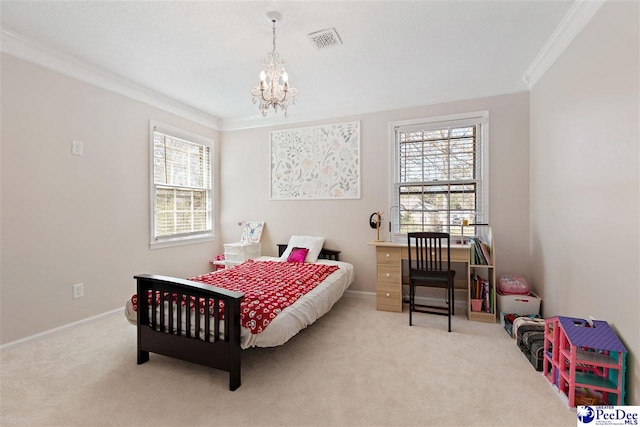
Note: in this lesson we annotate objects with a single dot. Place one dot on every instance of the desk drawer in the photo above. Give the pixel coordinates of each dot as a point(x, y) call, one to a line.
point(393, 290)
point(389, 274)
point(388, 256)
point(389, 298)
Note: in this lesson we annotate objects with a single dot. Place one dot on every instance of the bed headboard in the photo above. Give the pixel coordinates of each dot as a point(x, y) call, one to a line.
point(324, 253)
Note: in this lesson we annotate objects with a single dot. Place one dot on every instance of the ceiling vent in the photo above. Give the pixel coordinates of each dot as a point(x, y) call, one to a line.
point(325, 38)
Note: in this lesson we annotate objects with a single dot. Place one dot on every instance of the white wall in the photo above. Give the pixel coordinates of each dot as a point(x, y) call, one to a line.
point(245, 187)
point(67, 219)
point(585, 179)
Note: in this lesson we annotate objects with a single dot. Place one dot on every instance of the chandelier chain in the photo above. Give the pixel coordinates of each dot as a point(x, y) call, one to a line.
point(274, 36)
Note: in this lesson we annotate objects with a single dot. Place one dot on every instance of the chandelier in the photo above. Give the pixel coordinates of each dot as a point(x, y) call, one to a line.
point(273, 89)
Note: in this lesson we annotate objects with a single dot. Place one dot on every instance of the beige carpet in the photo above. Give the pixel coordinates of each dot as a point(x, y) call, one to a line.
point(356, 366)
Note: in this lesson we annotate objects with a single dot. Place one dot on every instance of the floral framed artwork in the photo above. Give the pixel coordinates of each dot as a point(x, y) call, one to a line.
point(317, 162)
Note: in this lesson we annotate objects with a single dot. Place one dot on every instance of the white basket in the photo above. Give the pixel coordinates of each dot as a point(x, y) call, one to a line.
point(519, 304)
point(235, 258)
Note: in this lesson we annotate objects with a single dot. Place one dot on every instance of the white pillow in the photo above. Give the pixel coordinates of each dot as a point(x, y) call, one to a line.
point(314, 244)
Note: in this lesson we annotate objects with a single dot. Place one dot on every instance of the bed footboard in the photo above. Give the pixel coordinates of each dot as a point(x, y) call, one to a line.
point(201, 342)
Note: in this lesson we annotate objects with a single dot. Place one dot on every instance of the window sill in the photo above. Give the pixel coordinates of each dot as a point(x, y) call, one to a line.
point(181, 241)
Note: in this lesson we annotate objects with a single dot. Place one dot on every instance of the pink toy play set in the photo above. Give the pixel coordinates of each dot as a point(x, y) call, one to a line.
point(585, 360)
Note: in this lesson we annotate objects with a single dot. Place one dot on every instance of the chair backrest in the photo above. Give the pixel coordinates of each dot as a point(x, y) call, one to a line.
point(429, 249)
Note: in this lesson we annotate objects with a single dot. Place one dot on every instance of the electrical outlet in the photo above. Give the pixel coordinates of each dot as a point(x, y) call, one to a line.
point(76, 148)
point(78, 290)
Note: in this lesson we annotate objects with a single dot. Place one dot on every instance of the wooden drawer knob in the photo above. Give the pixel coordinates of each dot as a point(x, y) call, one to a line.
point(388, 294)
point(388, 255)
point(388, 274)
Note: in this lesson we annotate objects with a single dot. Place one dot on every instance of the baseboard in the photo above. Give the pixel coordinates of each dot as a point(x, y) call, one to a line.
point(360, 294)
point(56, 330)
point(460, 303)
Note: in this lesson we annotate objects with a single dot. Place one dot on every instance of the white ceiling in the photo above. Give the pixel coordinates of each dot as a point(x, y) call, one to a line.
point(207, 54)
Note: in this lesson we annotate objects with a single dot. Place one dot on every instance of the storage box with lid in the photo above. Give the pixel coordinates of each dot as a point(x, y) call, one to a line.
point(239, 252)
point(519, 303)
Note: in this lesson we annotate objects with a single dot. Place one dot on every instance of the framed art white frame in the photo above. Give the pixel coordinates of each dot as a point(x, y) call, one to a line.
point(316, 162)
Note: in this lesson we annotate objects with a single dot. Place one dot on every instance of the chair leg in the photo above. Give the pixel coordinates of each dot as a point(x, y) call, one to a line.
point(453, 302)
point(449, 298)
point(411, 291)
point(450, 306)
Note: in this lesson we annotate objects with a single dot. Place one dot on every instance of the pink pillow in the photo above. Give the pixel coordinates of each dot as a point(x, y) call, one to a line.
point(513, 284)
point(297, 255)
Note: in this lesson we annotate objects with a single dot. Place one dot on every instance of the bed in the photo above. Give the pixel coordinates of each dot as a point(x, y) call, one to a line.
point(185, 331)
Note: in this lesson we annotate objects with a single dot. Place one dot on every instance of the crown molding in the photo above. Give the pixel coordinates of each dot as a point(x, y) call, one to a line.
point(311, 114)
point(21, 47)
point(295, 117)
point(576, 18)
point(345, 111)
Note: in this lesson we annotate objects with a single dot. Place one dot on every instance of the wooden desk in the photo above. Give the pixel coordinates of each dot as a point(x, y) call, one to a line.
point(389, 256)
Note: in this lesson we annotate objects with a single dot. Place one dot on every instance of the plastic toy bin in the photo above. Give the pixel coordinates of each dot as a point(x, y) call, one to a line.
point(519, 304)
point(237, 253)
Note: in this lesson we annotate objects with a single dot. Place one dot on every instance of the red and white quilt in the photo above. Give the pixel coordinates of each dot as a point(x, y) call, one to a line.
point(268, 287)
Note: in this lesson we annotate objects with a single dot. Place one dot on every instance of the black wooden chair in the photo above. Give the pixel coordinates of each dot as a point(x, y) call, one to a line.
point(430, 266)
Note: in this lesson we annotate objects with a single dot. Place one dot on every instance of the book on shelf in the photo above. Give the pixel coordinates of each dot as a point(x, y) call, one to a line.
point(491, 298)
point(486, 251)
point(472, 250)
point(480, 252)
point(476, 252)
point(487, 303)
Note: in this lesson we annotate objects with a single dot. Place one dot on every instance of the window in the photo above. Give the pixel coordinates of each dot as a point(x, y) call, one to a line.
point(440, 174)
point(180, 187)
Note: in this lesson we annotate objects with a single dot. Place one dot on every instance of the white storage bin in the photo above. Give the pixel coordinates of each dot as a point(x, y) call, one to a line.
point(519, 304)
point(237, 258)
point(236, 253)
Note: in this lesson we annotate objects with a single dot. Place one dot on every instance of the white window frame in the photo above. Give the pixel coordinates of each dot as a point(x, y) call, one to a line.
point(185, 239)
point(429, 123)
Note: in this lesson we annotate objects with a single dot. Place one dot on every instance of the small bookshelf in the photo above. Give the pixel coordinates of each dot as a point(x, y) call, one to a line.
point(481, 293)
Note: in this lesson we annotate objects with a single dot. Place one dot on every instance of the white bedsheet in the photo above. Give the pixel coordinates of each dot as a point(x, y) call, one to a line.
point(298, 315)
